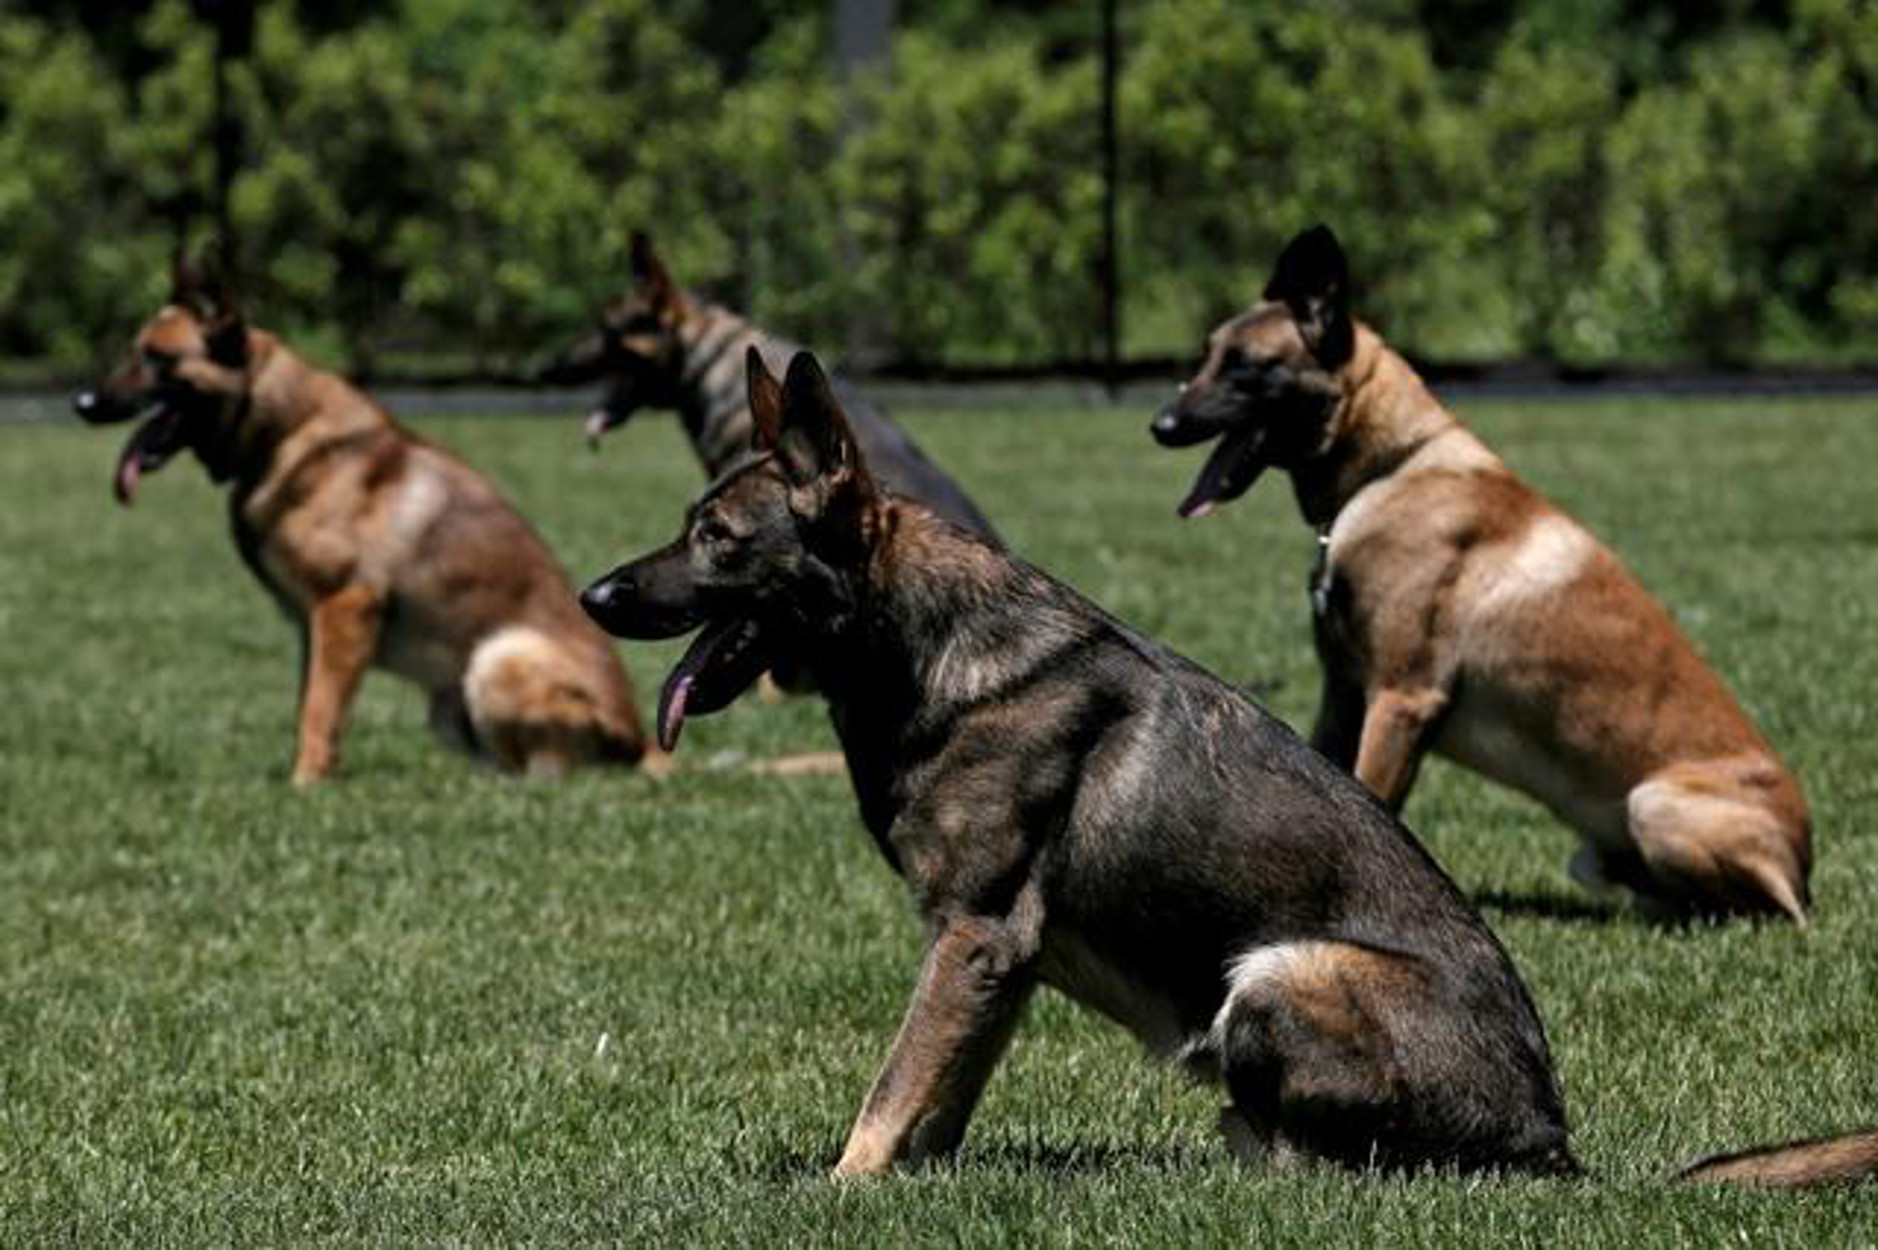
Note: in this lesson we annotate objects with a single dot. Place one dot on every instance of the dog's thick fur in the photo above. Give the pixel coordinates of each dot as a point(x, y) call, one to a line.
point(1457, 610)
point(662, 347)
point(1072, 805)
point(381, 547)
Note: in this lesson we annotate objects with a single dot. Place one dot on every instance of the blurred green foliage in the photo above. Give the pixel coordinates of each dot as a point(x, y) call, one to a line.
point(1583, 181)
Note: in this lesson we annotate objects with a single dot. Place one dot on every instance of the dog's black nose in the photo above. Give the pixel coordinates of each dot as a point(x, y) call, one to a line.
point(604, 596)
point(1165, 426)
point(85, 404)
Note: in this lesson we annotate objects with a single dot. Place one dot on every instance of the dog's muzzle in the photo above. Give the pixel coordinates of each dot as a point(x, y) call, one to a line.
point(626, 604)
point(1197, 415)
point(95, 407)
point(605, 600)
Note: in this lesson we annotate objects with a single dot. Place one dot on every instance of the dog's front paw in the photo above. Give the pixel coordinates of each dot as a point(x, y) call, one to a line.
point(308, 770)
point(866, 1155)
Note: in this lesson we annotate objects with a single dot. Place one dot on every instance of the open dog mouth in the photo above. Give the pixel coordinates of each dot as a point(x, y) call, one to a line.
point(721, 663)
point(599, 421)
point(151, 444)
point(1229, 472)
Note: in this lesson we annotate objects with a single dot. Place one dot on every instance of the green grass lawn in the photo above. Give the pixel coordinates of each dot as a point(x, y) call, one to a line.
point(426, 1003)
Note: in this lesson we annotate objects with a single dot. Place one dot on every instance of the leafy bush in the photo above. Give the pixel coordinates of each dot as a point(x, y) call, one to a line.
point(76, 242)
point(459, 178)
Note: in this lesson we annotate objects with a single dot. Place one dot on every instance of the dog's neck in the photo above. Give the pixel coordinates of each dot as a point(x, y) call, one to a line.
point(289, 408)
point(932, 634)
point(1386, 415)
point(933, 615)
point(921, 587)
point(713, 400)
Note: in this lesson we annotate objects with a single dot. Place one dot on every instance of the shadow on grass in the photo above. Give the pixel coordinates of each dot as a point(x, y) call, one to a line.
point(1548, 906)
point(1572, 909)
point(790, 1164)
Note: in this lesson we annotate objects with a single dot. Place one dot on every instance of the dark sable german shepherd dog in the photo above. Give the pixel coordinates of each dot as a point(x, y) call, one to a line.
point(1073, 805)
point(382, 548)
point(1457, 610)
point(658, 346)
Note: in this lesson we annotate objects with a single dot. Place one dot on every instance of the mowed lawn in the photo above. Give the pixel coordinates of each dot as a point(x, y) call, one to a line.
point(427, 1003)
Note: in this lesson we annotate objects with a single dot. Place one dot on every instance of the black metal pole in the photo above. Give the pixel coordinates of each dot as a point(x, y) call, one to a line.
point(224, 145)
point(1111, 178)
point(863, 37)
point(233, 22)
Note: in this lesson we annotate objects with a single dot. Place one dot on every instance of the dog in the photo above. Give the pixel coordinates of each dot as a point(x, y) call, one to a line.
point(1456, 610)
point(1072, 805)
point(658, 346)
point(381, 547)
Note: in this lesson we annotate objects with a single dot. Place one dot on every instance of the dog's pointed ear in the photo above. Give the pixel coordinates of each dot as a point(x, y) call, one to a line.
point(223, 326)
point(766, 400)
point(1312, 278)
point(227, 338)
point(186, 284)
point(198, 285)
point(654, 282)
point(815, 445)
point(202, 288)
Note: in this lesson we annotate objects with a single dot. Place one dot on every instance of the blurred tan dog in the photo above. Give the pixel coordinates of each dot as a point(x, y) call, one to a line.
point(1456, 609)
point(383, 548)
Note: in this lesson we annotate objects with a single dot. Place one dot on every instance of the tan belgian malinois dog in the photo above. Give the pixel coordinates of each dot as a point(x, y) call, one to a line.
point(381, 547)
point(1455, 609)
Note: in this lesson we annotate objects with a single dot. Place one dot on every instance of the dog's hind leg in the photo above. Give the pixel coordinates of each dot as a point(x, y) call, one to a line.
point(1709, 847)
point(1374, 1059)
point(450, 720)
point(977, 975)
point(531, 710)
point(1307, 1054)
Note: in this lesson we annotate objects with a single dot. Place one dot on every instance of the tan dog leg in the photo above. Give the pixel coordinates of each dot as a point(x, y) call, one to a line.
point(1395, 734)
point(972, 988)
point(341, 638)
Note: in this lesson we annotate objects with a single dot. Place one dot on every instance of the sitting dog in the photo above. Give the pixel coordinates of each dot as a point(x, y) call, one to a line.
point(1072, 805)
point(1455, 609)
point(381, 547)
point(658, 346)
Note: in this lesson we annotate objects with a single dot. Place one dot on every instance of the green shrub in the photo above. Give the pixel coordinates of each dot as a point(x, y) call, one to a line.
point(458, 178)
point(78, 250)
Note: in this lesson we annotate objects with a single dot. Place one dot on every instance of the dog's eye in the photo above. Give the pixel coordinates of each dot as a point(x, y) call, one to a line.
point(1237, 361)
point(711, 529)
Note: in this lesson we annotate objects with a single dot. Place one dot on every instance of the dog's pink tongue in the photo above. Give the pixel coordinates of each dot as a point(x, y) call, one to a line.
point(672, 700)
point(599, 421)
point(129, 473)
point(1193, 510)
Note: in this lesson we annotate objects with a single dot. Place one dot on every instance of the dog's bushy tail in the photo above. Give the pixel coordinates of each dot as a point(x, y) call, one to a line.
point(1822, 1161)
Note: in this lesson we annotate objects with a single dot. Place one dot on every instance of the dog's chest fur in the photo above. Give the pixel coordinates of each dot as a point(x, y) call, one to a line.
point(357, 507)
